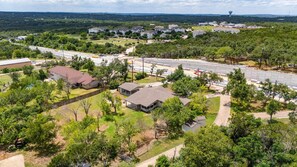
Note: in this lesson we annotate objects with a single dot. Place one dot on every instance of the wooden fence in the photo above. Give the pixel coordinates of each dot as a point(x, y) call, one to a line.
point(75, 99)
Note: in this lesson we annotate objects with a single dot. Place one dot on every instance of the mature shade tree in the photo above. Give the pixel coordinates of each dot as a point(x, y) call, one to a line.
point(198, 103)
point(41, 131)
point(174, 114)
point(208, 147)
point(251, 149)
point(242, 125)
point(185, 86)
point(28, 70)
point(126, 129)
point(177, 75)
point(239, 89)
point(272, 108)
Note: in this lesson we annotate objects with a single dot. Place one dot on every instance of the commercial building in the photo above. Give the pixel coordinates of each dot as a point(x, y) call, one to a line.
point(15, 63)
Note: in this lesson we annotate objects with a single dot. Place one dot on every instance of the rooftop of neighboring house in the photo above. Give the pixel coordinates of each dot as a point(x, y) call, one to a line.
point(71, 75)
point(148, 96)
point(129, 86)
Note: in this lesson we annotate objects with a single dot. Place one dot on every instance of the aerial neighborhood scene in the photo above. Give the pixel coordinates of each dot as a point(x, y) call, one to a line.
point(137, 83)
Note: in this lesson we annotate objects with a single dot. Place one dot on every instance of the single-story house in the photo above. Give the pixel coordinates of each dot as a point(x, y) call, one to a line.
point(74, 77)
point(147, 99)
point(15, 63)
point(194, 124)
point(129, 88)
point(198, 33)
point(227, 30)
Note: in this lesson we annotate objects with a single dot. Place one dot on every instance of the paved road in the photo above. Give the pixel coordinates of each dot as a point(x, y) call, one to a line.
point(189, 64)
point(224, 112)
point(251, 73)
point(69, 54)
point(279, 115)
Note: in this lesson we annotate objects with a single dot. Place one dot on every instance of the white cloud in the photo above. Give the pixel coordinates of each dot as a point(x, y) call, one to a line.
point(162, 6)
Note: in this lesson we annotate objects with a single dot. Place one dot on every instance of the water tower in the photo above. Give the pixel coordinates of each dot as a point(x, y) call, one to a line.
point(230, 13)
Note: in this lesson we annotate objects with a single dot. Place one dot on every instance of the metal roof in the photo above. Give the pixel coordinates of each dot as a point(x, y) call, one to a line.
point(14, 61)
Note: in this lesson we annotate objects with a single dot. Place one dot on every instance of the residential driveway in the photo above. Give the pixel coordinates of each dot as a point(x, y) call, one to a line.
point(174, 152)
point(224, 112)
point(279, 115)
point(16, 161)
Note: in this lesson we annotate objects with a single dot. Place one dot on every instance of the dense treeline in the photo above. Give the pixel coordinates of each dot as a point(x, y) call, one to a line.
point(9, 51)
point(49, 21)
point(55, 41)
point(272, 46)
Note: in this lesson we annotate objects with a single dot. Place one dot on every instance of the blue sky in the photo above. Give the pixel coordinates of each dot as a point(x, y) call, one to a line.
point(284, 7)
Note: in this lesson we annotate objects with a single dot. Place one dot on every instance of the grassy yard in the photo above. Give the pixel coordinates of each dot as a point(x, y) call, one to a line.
point(63, 115)
point(204, 28)
point(4, 78)
point(149, 79)
point(214, 107)
point(161, 146)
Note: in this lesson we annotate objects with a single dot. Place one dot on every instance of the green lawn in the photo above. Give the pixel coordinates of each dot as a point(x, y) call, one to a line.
point(149, 79)
point(214, 107)
point(63, 115)
point(204, 28)
point(5, 78)
point(161, 146)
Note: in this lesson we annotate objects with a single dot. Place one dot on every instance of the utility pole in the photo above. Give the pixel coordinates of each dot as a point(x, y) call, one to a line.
point(132, 70)
point(143, 65)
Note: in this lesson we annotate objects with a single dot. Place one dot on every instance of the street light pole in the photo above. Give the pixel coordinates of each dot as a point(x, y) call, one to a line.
point(132, 71)
point(142, 65)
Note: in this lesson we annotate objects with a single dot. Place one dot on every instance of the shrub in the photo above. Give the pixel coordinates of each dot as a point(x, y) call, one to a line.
point(140, 76)
point(114, 84)
point(291, 106)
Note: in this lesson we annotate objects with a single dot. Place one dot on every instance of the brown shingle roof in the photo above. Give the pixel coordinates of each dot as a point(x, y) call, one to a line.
point(73, 76)
point(148, 96)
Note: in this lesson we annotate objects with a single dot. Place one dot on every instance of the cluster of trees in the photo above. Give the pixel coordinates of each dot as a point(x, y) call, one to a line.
point(56, 41)
point(79, 63)
point(112, 74)
point(184, 85)
point(246, 142)
point(9, 51)
point(269, 94)
point(273, 46)
point(22, 107)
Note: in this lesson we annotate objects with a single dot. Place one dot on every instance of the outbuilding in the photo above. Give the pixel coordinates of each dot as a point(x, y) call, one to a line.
point(15, 63)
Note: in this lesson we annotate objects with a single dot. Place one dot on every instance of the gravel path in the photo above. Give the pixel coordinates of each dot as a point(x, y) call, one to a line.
point(279, 115)
point(174, 152)
point(224, 112)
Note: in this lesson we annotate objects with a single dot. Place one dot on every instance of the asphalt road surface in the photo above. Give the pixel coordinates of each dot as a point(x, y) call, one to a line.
point(289, 79)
